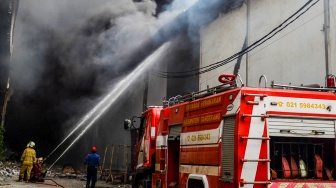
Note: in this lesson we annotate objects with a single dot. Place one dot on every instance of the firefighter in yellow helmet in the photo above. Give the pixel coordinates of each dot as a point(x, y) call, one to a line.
point(28, 159)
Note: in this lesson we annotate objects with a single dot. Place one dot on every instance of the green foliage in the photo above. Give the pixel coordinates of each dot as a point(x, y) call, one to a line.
point(2, 144)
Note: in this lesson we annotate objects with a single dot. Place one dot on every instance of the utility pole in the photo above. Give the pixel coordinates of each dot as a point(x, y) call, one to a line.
point(8, 11)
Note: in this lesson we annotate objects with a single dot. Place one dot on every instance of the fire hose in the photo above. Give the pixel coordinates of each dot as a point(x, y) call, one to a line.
point(55, 183)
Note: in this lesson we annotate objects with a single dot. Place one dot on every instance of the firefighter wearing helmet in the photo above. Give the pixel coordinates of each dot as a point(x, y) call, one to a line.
point(28, 159)
point(92, 162)
point(36, 173)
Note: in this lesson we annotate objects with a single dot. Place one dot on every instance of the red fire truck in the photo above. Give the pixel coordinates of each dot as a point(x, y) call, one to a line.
point(230, 136)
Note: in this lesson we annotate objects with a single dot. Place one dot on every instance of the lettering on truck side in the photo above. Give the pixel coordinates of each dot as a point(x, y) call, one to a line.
point(205, 103)
point(191, 121)
point(211, 101)
point(198, 137)
point(302, 105)
point(209, 118)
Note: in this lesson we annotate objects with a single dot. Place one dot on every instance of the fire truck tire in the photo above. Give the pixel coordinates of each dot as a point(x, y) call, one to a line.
point(143, 180)
point(143, 183)
point(140, 184)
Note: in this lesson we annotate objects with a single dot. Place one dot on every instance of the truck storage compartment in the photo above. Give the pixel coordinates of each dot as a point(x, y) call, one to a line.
point(302, 158)
point(302, 148)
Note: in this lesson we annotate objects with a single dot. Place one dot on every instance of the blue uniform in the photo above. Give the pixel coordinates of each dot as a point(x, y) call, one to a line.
point(93, 162)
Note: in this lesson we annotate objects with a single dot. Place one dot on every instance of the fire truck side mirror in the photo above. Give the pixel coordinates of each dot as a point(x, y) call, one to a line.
point(127, 124)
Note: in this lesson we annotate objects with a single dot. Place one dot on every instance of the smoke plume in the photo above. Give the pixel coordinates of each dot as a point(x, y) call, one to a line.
point(66, 55)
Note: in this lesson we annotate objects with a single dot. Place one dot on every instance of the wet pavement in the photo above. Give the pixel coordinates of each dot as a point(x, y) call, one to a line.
point(9, 174)
point(57, 182)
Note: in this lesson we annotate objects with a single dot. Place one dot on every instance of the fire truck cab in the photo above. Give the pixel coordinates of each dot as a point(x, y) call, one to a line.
point(229, 136)
point(143, 139)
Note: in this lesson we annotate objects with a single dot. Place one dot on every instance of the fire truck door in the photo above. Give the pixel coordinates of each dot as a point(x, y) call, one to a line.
point(141, 153)
point(173, 155)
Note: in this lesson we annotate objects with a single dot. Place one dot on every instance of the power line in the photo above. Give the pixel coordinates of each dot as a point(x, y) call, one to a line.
point(262, 40)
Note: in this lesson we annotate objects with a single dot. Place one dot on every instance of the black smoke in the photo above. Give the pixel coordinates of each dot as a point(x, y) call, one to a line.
point(67, 54)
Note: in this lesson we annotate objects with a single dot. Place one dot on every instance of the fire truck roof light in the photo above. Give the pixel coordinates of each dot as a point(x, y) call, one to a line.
point(330, 80)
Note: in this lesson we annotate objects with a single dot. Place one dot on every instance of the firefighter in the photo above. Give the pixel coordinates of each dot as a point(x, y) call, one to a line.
point(28, 159)
point(36, 174)
point(92, 163)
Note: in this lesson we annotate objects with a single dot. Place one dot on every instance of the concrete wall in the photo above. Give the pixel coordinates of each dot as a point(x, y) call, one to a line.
point(295, 55)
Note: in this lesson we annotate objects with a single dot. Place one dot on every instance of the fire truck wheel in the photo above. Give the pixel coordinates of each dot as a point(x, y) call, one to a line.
point(140, 184)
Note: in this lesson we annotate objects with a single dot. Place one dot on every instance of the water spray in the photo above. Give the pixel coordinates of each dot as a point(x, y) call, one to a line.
point(111, 97)
point(85, 119)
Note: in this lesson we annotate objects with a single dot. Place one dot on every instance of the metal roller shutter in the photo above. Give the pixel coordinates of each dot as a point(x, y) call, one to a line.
point(228, 149)
point(300, 127)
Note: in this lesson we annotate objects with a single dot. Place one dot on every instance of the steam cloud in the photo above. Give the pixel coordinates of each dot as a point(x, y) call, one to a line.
point(66, 53)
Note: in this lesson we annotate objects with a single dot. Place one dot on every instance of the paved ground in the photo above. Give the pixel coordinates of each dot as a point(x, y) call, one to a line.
point(52, 182)
point(56, 177)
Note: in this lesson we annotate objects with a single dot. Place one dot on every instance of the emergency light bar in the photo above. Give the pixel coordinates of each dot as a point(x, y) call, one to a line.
point(330, 80)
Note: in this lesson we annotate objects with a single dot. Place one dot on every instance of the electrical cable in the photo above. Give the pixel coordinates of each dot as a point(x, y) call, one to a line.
point(262, 40)
point(239, 54)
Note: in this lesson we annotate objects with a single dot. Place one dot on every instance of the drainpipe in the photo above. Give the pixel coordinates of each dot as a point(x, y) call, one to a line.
point(326, 30)
point(247, 36)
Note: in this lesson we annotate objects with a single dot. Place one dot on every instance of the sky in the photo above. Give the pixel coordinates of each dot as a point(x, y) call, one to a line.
point(67, 56)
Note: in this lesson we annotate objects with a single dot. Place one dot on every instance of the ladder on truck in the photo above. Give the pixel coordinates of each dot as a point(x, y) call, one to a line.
point(264, 138)
point(230, 83)
point(329, 85)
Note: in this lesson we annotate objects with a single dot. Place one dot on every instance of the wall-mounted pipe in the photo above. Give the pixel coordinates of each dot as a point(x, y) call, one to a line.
point(326, 30)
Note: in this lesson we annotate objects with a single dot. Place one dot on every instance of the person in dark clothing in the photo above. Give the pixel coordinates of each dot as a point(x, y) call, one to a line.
point(92, 164)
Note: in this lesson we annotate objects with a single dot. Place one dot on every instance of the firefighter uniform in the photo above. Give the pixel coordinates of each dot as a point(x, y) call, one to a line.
point(36, 173)
point(28, 159)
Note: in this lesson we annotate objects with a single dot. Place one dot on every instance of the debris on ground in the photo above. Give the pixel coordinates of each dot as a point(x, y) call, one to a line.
point(8, 170)
point(67, 176)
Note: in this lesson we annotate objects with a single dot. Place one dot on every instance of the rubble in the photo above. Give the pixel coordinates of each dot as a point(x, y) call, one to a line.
point(9, 172)
point(11, 169)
